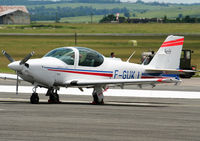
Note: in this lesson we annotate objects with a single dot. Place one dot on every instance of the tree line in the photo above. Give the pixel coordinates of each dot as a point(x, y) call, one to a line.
point(182, 19)
point(179, 19)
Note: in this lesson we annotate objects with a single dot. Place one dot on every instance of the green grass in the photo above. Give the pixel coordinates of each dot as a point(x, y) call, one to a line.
point(82, 19)
point(102, 28)
point(19, 46)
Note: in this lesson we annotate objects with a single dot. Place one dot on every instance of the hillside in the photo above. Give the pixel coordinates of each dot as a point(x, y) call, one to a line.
point(83, 9)
point(136, 10)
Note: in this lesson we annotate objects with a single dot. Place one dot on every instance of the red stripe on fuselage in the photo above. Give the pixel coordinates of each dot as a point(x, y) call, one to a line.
point(86, 73)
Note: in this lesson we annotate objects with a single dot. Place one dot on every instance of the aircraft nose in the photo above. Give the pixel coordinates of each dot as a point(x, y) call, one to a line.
point(15, 66)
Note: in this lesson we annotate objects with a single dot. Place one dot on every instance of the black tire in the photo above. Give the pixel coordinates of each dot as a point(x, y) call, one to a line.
point(95, 99)
point(34, 98)
point(54, 98)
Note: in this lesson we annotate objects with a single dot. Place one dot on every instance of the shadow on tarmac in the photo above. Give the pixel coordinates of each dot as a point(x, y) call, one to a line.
point(108, 103)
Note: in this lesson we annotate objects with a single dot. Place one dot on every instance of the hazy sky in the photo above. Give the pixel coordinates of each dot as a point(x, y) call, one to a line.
point(169, 1)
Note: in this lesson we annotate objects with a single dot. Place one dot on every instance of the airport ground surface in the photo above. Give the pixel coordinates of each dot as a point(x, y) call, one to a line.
point(121, 118)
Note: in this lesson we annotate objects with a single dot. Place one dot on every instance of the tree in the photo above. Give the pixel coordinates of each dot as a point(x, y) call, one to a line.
point(108, 18)
point(165, 20)
point(187, 19)
point(122, 19)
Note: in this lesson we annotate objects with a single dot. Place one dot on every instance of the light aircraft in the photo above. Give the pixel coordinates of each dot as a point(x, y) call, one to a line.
point(85, 68)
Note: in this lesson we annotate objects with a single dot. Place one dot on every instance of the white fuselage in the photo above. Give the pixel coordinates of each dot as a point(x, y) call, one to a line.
point(49, 71)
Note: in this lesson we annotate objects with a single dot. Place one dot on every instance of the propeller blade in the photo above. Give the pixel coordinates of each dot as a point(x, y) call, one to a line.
point(17, 84)
point(23, 61)
point(7, 56)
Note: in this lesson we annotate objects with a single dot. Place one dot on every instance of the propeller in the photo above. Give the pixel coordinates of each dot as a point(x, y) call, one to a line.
point(22, 62)
point(8, 56)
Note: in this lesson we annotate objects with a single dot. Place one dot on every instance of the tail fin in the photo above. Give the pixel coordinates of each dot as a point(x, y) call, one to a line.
point(168, 56)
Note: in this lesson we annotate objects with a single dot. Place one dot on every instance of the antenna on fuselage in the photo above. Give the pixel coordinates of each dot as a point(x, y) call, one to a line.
point(134, 44)
point(130, 56)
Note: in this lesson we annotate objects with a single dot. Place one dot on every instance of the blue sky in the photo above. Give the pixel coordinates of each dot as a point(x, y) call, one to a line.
point(168, 1)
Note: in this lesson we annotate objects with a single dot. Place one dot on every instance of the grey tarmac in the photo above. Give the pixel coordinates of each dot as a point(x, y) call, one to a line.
point(120, 119)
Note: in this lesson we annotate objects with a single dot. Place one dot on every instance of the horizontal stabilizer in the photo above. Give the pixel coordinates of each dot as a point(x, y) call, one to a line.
point(169, 71)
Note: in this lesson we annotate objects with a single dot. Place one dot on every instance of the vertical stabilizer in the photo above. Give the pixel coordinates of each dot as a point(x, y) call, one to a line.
point(168, 56)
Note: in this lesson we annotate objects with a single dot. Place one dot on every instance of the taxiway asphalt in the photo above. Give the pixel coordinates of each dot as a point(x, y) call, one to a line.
point(192, 84)
point(121, 118)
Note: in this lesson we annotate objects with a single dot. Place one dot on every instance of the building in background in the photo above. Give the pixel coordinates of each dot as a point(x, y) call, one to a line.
point(14, 15)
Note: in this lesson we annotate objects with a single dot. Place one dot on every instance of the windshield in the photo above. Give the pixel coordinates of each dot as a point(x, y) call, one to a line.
point(64, 54)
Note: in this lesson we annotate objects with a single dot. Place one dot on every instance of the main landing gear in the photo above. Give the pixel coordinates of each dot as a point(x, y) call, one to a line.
point(52, 93)
point(98, 96)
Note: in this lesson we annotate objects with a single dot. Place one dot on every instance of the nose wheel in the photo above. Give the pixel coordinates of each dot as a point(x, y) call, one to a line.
point(34, 99)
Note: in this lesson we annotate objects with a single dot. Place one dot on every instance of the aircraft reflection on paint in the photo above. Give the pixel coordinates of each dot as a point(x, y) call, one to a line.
point(85, 68)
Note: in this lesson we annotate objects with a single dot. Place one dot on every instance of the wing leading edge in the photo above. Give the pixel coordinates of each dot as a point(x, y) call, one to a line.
point(120, 82)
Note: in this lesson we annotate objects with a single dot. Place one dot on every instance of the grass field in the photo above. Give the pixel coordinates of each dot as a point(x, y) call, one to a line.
point(82, 19)
point(102, 28)
point(19, 46)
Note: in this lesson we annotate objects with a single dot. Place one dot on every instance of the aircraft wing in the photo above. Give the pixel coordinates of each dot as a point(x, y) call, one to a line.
point(9, 76)
point(121, 82)
point(169, 71)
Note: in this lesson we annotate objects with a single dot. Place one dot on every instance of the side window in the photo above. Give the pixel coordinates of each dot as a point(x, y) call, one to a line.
point(89, 58)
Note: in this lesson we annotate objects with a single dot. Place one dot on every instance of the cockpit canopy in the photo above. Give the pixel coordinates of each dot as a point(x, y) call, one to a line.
point(86, 57)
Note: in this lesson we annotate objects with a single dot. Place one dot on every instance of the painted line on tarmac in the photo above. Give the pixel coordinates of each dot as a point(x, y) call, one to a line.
point(109, 92)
